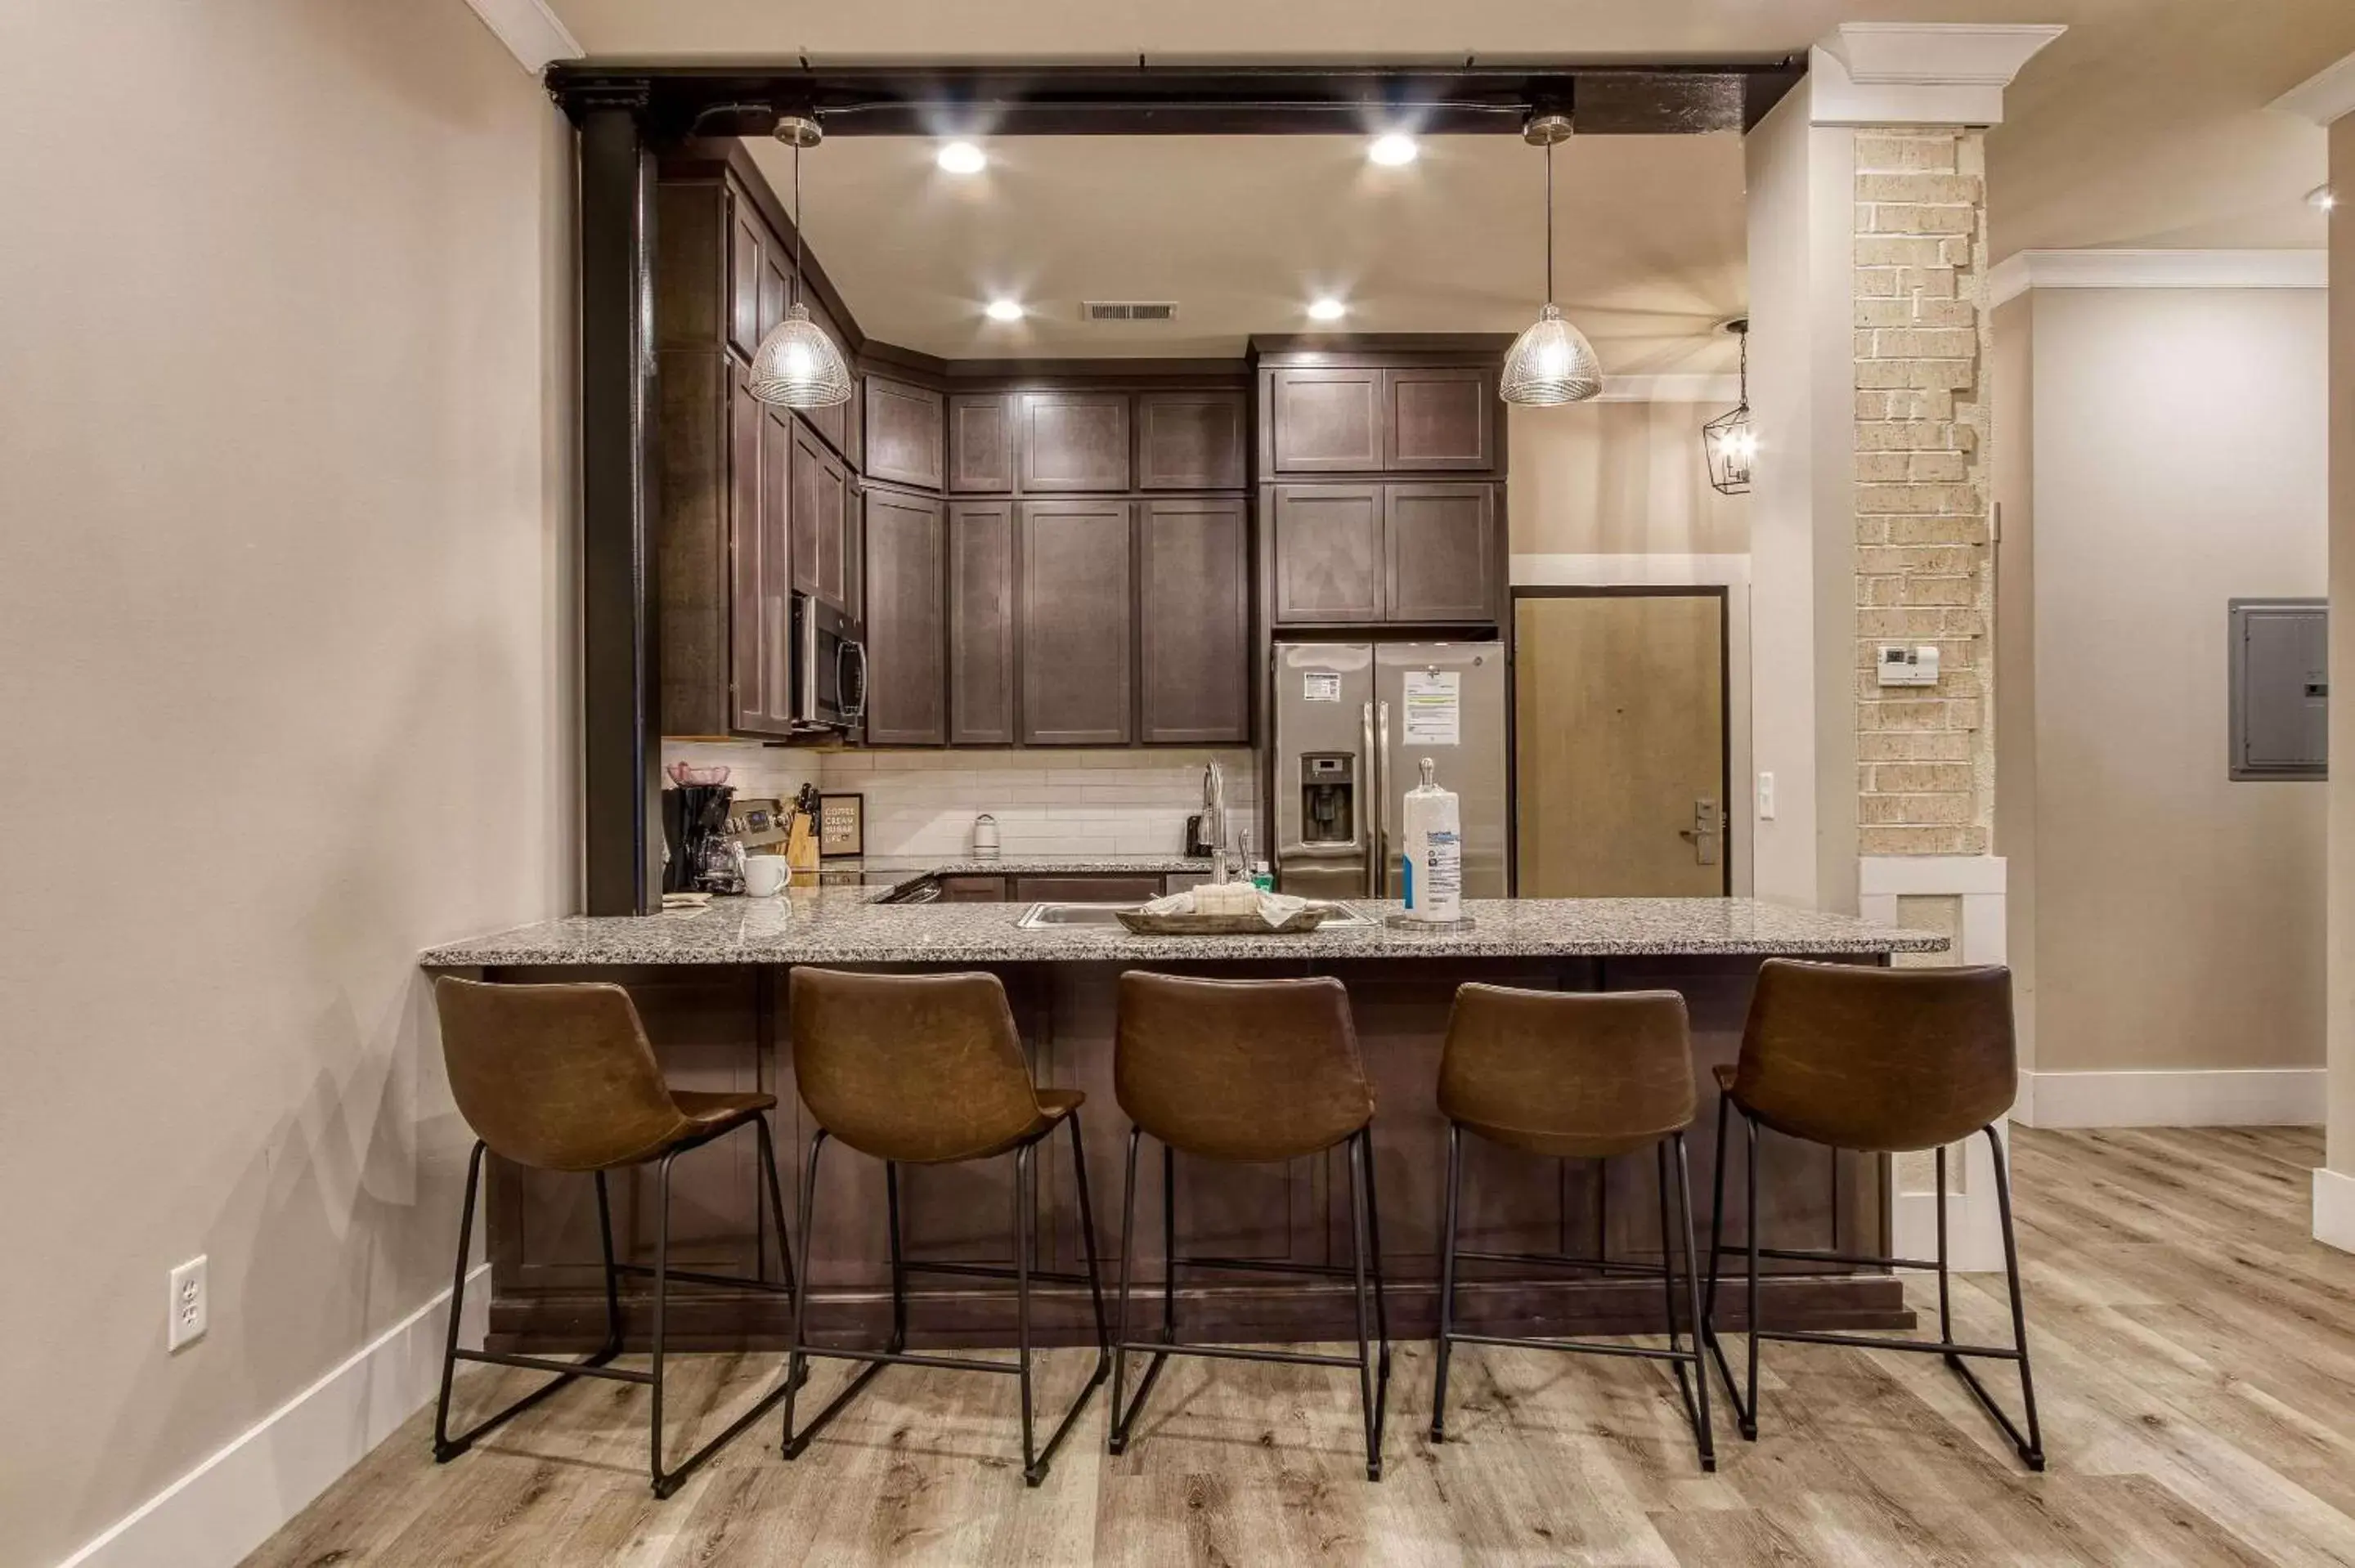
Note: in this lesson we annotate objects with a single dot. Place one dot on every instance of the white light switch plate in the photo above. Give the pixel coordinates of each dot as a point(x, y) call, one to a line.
point(191, 1306)
point(1765, 797)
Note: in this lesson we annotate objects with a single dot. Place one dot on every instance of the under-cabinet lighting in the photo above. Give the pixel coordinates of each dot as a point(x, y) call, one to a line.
point(962, 158)
point(1393, 149)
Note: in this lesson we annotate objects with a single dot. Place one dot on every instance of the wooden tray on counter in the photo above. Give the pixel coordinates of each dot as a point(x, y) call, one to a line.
point(1295, 924)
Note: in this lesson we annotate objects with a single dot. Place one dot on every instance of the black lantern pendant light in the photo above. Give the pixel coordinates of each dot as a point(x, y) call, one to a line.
point(1729, 441)
point(797, 365)
point(1550, 362)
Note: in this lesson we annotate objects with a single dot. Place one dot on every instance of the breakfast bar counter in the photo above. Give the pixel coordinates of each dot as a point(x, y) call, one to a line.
point(710, 984)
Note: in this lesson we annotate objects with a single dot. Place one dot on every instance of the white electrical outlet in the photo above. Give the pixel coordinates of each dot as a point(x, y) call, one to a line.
point(1765, 797)
point(191, 1305)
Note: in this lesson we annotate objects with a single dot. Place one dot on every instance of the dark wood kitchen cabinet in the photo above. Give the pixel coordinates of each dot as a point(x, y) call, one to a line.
point(904, 434)
point(1074, 558)
point(1190, 440)
point(763, 569)
point(1193, 615)
point(1324, 420)
point(824, 524)
point(981, 441)
point(1326, 552)
point(1086, 889)
point(1439, 417)
point(1440, 553)
point(981, 623)
point(1072, 442)
point(907, 689)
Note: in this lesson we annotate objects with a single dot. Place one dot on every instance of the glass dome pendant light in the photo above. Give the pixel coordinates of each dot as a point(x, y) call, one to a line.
point(1729, 441)
point(1552, 362)
point(797, 365)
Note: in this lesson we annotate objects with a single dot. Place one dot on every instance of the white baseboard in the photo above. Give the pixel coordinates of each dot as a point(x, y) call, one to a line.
point(231, 1503)
point(2250, 1096)
point(2334, 1210)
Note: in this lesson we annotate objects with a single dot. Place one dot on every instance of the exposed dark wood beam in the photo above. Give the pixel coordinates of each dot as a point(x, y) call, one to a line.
point(743, 99)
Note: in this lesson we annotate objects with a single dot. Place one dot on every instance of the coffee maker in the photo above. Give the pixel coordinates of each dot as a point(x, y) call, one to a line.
point(695, 835)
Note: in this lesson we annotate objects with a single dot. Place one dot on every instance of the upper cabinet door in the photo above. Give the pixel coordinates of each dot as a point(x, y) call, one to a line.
point(1327, 552)
point(748, 262)
point(1074, 610)
point(1441, 416)
point(837, 421)
point(1072, 440)
point(981, 441)
point(1439, 553)
point(903, 433)
point(907, 693)
point(1193, 623)
point(1325, 421)
point(981, 623)
point(1190, 440)
point(824, 536)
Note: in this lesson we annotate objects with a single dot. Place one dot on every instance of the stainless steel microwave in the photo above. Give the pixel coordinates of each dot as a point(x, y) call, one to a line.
point(829, 668)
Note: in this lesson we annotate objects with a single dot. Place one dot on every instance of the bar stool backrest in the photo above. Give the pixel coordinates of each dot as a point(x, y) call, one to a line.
point(1240, 1069)
point(1573, 1067)
point(558, 1077)
point(917, 1068)
point(1879, 1060)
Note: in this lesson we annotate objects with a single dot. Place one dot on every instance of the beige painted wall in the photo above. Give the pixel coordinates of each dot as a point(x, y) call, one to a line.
point(1618, 479)
point(284, 621)
point(2178, 460)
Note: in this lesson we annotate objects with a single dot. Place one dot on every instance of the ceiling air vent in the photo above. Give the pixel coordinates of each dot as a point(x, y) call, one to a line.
point(1128, 311)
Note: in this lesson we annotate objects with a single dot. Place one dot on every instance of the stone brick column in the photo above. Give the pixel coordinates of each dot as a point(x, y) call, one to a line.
point(1925, 569)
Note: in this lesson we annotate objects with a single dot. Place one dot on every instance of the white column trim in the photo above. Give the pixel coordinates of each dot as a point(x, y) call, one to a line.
point(2334, 1210)
point(2326, 96)
point(1919, 73)
point(2125, 268)
point(532, 33)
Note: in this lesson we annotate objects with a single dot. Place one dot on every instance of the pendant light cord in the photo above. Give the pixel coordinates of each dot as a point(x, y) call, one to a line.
point(797, 222)
point(1745, 367)
point(1549, 223)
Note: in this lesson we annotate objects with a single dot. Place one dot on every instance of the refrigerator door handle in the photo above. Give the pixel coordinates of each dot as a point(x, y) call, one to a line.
point(1382, 800)
point(1367, 823)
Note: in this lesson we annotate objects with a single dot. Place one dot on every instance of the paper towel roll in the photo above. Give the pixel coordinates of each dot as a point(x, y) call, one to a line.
point(1430, 852)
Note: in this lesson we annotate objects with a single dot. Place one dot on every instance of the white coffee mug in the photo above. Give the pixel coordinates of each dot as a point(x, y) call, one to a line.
point(765, 875)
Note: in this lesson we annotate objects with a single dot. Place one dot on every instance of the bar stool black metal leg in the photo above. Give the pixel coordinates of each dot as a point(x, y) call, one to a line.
point(1748, 1410)
point(1447, 1285)
point(2030, 1444)
point(1357, 1250)
point(898, 1256)
point(1117, 1439)
point(664, 1485)
point(1946, 1311)
point(1168, 1244)
point(1669, 1267)
point(1033, 1471)
point(1088, 1240)
point(1703, 1432)
point(1382, 1302)
point(613, 1346)
point(796, 1363)
point(443, 1449)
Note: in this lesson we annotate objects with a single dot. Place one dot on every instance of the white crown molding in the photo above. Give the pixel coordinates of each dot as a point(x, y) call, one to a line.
point(2122, 269)
point(1919, 73)
point(532, 33)
point(1670, 389)
point(2326, 96)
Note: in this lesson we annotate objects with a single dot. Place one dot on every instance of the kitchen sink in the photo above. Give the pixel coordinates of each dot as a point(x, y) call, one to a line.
point(1042, 916)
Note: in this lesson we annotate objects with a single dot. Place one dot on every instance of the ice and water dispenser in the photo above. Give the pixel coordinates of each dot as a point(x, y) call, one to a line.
point(1328, 797)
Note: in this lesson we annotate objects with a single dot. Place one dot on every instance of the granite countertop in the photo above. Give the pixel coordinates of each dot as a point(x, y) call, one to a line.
point(843, 925)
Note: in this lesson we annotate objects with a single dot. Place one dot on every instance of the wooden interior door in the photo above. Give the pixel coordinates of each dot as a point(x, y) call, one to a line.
point(1619, 745)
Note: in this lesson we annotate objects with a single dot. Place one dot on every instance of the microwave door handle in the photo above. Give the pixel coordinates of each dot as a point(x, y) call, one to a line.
point(851, 708)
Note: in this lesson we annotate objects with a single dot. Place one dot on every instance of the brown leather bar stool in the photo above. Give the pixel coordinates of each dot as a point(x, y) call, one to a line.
point(561, 1077)
point(1575, 1076)
point(1886, 1062)
point(1253, 1072)
point(928, 1070)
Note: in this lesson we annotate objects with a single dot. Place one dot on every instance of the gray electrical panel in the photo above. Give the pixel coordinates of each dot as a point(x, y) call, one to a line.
point(2281, 688)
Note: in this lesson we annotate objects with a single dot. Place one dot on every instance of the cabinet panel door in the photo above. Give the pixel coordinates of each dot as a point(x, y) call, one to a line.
point(748, 257)
point(981, 441)
point(1327, 547)
point(903, 433)
point(907, 697)
point(747, 555)
point(973, 890)
point(836, 422)
point(1074, 440)
point(762, 675)
point(1190, 440)
point(981, 623)
point(1194, 622)
point(1440, 417)
point(1439, 553)
point(1074, 606)
point(1086, 889)
point(821, 522)
point(1325, 420)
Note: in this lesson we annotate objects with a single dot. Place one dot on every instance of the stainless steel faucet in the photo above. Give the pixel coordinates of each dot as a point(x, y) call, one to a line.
point(1214, 805)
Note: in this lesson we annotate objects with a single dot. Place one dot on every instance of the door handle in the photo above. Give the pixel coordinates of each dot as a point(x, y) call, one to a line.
point(1382, 798)
point(1368, 805)
point(1706, 832)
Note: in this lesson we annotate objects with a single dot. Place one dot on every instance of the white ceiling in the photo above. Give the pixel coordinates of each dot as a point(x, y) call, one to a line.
point(2144, 125)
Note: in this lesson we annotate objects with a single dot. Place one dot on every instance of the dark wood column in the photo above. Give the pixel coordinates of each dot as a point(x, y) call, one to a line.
point(619, 675)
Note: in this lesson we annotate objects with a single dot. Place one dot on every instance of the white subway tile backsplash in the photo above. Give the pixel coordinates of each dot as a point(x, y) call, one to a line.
point(1079, 802)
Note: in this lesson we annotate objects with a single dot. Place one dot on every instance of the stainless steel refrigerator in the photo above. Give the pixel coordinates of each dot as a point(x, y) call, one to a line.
point(1352, 723)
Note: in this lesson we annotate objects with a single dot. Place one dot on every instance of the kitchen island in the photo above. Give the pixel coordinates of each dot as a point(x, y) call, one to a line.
point(711, 987)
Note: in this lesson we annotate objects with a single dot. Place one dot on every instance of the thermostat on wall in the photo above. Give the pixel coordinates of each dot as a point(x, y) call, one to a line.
point(1903, 666)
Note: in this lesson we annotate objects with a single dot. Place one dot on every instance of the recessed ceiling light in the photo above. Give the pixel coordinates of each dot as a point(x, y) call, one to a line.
point(1004, 311)
point(1327, 310)
point(1393, 149)
point(2323, 196)
point(962, 158)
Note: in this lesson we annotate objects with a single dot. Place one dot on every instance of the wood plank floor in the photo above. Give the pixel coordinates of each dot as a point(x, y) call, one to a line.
point(2195, 1357)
